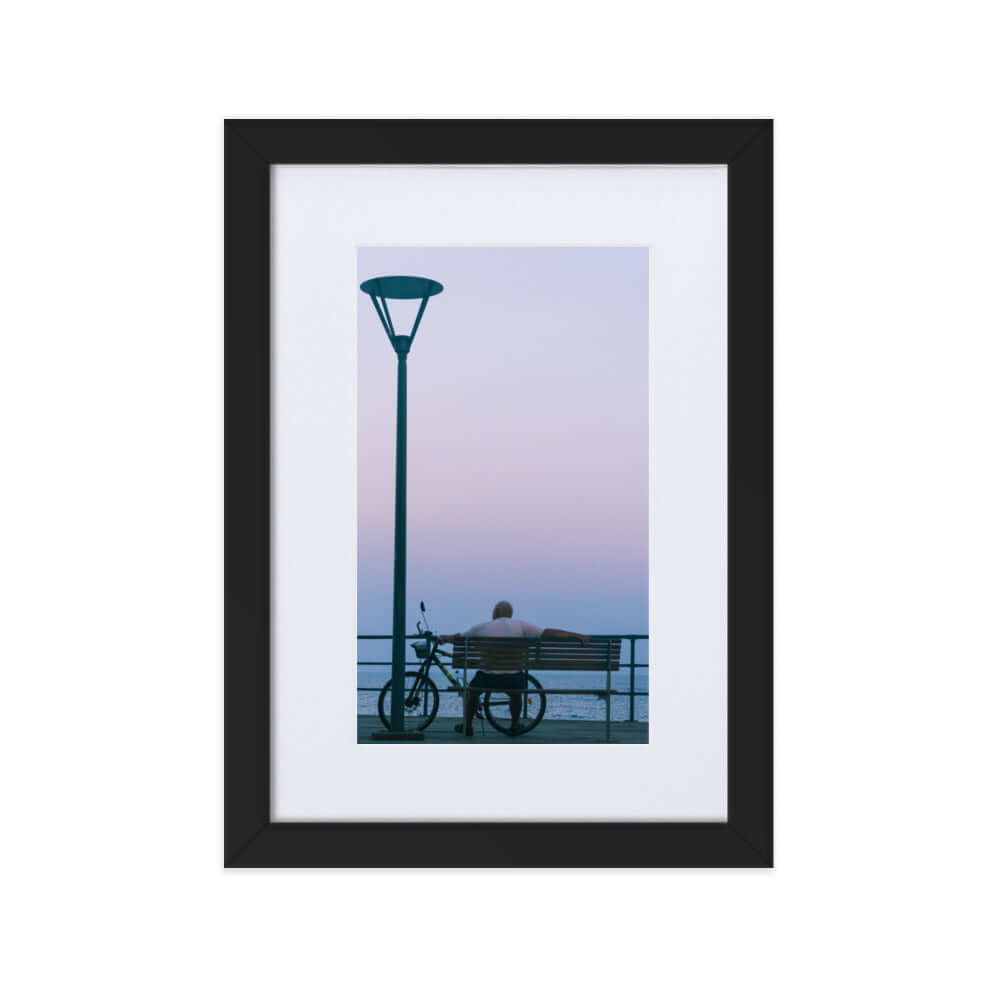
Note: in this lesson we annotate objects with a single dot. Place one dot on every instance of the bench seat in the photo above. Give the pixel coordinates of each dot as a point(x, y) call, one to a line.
point(514, 655)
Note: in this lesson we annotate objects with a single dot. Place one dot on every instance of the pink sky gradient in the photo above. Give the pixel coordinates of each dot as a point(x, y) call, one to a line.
point(528, 438)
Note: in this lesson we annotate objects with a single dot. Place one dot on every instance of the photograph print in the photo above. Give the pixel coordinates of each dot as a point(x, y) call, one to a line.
point(503, 495)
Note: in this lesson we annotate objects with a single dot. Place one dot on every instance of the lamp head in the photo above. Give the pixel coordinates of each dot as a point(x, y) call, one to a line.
point(380, 290)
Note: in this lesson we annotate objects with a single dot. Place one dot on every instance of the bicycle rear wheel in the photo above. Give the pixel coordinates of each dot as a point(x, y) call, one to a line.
point(420, 702)
point(497, 706)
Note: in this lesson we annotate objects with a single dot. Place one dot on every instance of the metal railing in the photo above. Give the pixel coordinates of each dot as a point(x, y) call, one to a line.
point(632, 666)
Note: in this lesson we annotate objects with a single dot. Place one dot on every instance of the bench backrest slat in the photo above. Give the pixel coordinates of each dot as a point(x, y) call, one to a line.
point(536, 654)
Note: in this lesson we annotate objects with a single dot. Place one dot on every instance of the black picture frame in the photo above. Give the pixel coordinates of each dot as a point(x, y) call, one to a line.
point(252, 838)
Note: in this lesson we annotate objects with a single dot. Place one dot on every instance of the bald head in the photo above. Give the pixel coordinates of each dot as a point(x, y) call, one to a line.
point(503, 610)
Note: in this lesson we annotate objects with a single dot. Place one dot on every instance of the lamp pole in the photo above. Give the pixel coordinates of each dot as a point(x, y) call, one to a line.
point(380, 290)
point(399, 551)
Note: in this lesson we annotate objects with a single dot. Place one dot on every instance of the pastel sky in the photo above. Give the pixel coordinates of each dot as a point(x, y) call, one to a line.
point(528, 438)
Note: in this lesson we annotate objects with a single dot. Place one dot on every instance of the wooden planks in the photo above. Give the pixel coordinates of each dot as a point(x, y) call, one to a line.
point(442, 730)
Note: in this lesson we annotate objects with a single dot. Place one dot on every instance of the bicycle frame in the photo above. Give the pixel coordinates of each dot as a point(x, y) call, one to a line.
point(432, 660)
point(451, 677)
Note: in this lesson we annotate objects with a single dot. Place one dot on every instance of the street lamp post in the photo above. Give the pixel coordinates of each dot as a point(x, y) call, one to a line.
point(381, 290)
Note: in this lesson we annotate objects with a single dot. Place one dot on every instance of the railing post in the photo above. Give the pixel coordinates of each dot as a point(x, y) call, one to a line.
point(631, 680)
point(607, 694)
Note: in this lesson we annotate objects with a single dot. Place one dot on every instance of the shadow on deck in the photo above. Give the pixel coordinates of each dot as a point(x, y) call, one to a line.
point(442, 730)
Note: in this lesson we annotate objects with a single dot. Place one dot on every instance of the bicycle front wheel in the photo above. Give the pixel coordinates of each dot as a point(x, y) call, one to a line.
point(420, 702)
point(500, 706)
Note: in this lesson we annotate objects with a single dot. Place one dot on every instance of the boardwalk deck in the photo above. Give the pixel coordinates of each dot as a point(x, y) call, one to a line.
point(442, 730)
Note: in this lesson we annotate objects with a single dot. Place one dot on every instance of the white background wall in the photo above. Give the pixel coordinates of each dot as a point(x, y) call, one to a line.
point(887, 493)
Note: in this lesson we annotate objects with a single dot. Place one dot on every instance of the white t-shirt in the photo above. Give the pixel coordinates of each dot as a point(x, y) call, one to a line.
point(504, 628)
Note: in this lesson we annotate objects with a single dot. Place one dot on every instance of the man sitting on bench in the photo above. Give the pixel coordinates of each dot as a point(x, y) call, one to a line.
point(503, 626)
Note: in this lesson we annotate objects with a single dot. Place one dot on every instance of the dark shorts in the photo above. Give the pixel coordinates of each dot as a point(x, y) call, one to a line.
point(497, 682)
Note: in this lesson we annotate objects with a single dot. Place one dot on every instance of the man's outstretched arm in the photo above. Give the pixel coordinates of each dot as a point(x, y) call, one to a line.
point(559, 633)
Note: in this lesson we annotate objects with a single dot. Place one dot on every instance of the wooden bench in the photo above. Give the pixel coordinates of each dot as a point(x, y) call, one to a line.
point(514, 655)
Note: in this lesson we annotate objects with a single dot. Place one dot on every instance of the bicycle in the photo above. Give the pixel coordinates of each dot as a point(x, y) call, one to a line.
point(421, 697)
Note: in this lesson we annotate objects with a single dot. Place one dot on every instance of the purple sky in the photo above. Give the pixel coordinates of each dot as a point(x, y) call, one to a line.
point(528, 438)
